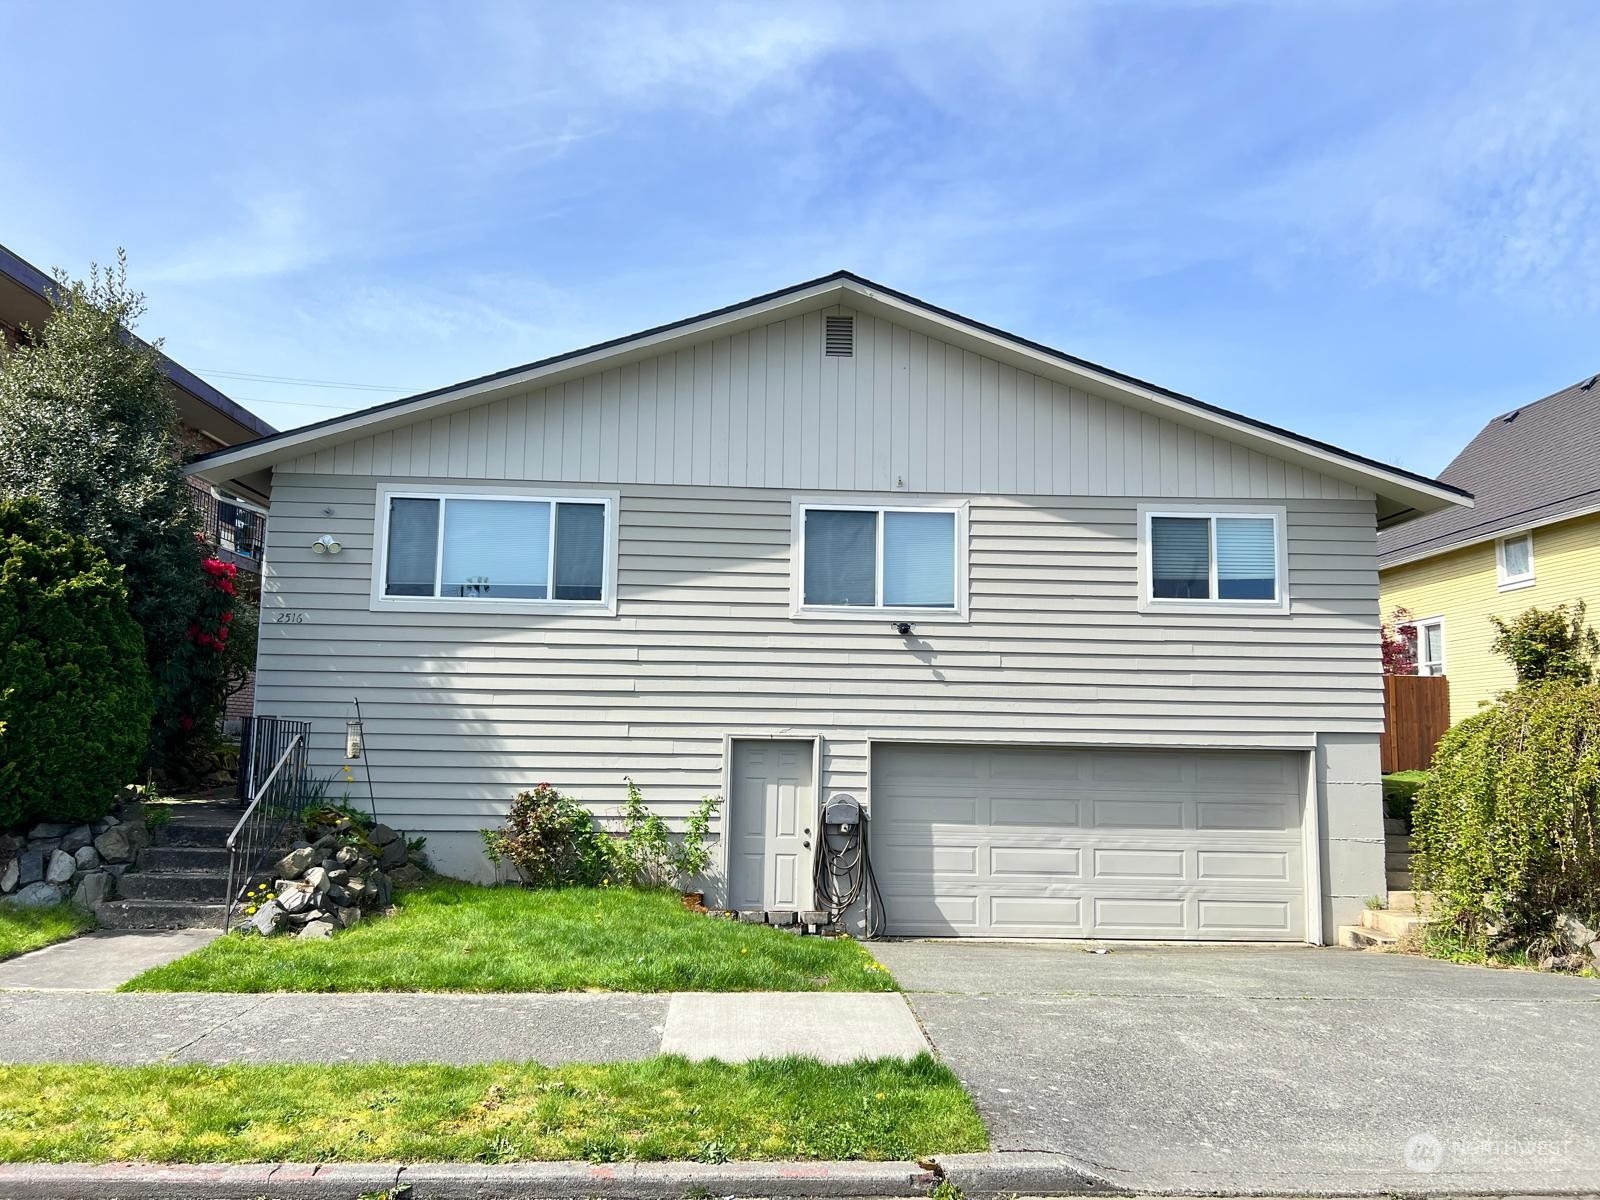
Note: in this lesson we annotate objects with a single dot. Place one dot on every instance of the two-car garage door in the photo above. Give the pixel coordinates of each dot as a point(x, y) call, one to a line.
point(1134, 844)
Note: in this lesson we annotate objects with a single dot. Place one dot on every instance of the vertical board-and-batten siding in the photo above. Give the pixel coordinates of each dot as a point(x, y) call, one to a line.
point(767, 409)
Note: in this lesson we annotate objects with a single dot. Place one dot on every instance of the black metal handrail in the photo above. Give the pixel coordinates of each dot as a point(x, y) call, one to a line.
point(280, 790)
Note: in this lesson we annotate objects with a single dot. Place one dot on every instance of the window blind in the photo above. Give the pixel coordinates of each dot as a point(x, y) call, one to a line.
point(497, 549)
point(1247, 558)
point(580, 551)
point(413, 547)
point(919, 559)
point(1180, 558)
point(841, 557)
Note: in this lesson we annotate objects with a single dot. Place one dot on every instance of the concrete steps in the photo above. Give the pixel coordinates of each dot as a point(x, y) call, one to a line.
point(1384, 927)
point(180, 884)
point(158, 914)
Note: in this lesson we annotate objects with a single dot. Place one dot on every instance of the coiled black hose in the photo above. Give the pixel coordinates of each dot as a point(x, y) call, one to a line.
point(841, 873)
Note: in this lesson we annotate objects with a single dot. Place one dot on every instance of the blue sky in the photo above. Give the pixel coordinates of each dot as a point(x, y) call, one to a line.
point(1378, 224)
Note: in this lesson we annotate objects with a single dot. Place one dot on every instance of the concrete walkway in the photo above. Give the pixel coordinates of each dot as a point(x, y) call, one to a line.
point(102, 960)
point(221, 1028)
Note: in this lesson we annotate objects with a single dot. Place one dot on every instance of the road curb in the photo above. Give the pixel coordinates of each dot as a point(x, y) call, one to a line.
point(975, 1174)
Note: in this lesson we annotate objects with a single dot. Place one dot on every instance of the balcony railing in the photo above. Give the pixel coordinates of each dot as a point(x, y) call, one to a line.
point(232, 528)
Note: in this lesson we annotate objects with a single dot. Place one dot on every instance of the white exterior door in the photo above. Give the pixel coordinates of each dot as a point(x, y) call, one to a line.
point(774, 806)
point(1134, 844)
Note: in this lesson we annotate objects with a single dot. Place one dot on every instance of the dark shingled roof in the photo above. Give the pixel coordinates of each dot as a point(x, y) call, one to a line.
point(1530, 466)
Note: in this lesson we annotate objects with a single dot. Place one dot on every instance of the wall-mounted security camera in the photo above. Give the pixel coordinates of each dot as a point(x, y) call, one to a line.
point(903, 628)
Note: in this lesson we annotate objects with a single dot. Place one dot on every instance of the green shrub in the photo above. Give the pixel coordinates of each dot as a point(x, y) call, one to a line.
point(551, 841)
point(1507, 828)
point(1400, 794)
point(645, 852)
point(75, 698)
point(1548, 645)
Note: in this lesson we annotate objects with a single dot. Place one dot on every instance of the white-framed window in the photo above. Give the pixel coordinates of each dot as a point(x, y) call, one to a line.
point(459, 550)
point(854, 559)
point(1514, 556)
point(1213, 558)
point(1428, 645)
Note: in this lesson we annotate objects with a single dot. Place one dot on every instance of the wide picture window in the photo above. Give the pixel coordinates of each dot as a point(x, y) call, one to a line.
point(475, 548)
point(1214, 558)
point(879, 558)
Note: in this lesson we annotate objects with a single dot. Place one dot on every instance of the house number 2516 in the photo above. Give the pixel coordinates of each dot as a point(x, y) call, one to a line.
point(289, 618)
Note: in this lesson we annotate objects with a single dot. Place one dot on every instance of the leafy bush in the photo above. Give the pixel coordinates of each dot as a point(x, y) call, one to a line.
point(1507, 828)
point(1548, 645)
point(75, 701)
point(692, 856)
point(644, 855)
point(1400, 794)
point(551, 841)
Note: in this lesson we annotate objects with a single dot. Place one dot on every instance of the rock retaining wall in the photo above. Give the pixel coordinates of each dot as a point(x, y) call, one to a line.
point(53, 862)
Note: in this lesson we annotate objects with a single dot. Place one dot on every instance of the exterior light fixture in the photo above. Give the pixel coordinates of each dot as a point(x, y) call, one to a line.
point(326, 545)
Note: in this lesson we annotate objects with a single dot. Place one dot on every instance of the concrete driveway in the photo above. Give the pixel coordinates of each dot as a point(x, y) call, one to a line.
point(1276, 1070)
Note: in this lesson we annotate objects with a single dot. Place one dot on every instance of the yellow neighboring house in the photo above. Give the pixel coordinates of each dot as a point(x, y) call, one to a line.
point(1533, 540)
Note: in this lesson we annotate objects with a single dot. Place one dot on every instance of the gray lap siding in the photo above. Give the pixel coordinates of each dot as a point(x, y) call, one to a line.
point(464, 709)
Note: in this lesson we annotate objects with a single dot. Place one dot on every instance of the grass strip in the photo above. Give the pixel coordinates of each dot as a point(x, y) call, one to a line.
point(448, 936)
point(661, 1109)
point(24, 929)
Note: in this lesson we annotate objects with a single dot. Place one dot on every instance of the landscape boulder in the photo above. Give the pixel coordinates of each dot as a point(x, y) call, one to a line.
point(93, 889)
point(295, 863)
point(1574, 932)
point(60, 868)
point(382, 835)
point(267, 918)
point(47, 829)
point(114, 845)
point(36, 895)
point(320, 928)
point(393, 855)
point(77, 838)
point(30, 866)
point(10, 874)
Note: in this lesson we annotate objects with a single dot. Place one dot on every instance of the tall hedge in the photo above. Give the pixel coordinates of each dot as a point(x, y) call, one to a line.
point(1507, 827)
point(75, 696)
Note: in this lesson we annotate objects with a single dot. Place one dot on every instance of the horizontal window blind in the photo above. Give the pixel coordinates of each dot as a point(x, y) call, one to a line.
point(1247, 558)
point(413, 551)
point(580, 551)
point(841, 557)
point(1180, 558)
point(496, 549)
point(919, 551)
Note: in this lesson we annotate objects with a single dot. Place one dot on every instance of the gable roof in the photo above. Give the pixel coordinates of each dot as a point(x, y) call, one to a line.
point(1528, 467)
point(25, 297)
point(1401, 494)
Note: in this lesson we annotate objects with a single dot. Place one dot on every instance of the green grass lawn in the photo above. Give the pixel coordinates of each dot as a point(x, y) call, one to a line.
point(665, 1108)
point(456, 937)
point(24, 929)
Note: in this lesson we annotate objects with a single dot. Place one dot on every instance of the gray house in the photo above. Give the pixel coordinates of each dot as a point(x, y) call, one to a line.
point(1100, 660)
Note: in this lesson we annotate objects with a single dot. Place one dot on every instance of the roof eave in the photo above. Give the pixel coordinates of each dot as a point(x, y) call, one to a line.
point(1402, 494)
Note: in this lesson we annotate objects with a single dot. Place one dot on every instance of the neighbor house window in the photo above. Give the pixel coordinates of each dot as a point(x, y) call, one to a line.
point(1516, 561)
point(1429, 646)
point(495, 548)
point(1214, 557)
point(855, 558)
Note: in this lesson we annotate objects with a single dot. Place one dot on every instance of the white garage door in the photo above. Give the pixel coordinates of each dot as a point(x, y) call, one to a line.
point(1113, 844)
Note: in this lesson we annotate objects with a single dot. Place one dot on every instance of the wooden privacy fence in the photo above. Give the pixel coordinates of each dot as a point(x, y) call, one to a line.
point(1416, 712)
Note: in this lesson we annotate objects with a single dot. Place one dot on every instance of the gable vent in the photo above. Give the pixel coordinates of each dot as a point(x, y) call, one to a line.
point(839, 337)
